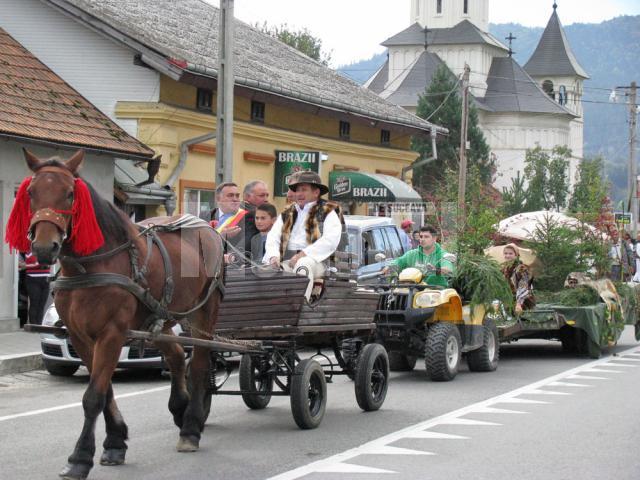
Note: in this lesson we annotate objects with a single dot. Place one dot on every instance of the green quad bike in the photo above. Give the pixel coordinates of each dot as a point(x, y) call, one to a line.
point(418, 315)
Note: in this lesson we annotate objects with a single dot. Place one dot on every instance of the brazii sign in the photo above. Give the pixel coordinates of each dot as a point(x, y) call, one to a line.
point(289, 162)
point(369, 187)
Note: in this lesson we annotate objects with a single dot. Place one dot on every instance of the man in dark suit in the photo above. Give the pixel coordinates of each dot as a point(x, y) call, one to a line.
point(265, 217)
point(236, 225)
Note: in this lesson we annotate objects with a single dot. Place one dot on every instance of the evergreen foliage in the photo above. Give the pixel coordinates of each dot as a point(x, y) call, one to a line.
point(569, 297)
point(547, 178)
point(590, 190)
point(480, 281)
point(441, 104)
point(302, 40)
point(514, 198)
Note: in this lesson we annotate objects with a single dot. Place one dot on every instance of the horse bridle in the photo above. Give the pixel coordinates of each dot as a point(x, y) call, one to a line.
point(60, 218)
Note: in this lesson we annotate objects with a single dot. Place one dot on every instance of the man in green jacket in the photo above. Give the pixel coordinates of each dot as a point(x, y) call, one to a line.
point(428, 257)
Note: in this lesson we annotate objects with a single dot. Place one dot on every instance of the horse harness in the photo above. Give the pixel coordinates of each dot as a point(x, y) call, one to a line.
point(137, 284)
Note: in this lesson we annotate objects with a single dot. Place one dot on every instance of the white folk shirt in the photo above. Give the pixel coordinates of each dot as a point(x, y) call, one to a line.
point(319, 250)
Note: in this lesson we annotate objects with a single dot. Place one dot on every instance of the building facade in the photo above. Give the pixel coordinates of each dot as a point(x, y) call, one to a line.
point(519, 107)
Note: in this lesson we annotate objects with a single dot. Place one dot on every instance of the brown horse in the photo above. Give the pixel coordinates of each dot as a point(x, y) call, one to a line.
point(98, 316)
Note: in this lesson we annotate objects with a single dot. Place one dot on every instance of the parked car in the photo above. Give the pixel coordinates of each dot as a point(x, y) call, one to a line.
point(61, 359)
point(371, 237)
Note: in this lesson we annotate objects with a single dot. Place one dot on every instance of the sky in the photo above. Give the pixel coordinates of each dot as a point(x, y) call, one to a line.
point(353, 29)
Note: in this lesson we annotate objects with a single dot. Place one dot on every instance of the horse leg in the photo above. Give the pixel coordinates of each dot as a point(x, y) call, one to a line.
point(115, 447)
point(179, 398)
point(193, 418)
point(105, 359)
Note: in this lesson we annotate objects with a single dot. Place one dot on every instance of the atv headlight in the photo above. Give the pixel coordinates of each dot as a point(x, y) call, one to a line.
point(426, 299)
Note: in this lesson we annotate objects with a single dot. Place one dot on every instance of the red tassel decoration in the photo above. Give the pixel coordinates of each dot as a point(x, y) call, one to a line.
point(86, 236)
point(19, 220)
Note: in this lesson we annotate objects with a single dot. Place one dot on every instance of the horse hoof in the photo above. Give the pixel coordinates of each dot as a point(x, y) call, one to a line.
point(188, 444)
point(75, 471)
point(113, 456)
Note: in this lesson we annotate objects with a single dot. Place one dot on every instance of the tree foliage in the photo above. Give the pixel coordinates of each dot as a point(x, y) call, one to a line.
point(547, 178)
point(590, 190)
point(302, 40)
point(441, 104)
point(514, 198)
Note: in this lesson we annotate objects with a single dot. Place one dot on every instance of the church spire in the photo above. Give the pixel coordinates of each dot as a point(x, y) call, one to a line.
point(553, 55)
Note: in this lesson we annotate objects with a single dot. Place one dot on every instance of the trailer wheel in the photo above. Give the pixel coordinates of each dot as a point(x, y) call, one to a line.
point(485, 358)
point(255, 377)
point(399, 362)
point(308, 394)
point(372, 377)
point(58, 370)
point(442, 351)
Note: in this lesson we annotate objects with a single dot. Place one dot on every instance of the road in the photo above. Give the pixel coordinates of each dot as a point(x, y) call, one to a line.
point(543, 414)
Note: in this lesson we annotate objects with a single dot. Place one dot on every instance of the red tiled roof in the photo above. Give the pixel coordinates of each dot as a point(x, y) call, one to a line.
point(36, 103)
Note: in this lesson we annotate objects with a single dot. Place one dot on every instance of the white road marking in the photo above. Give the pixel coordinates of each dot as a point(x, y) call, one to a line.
point(340, 467)
point(586, 377)
point(624, 365)
point(467, 421)
point(626, 359)
point(79, 404)
point(545, 392)
point(420, 430)
point(428, 434)
point(602, 370)
point(388, 450)
point(523, 400)
point(567, 384)
point(496, 410)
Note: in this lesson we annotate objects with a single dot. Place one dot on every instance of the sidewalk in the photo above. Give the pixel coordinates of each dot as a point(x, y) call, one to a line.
point(19, 352)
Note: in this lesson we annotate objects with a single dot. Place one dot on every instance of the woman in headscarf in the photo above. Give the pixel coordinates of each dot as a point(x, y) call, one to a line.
point(519, 278)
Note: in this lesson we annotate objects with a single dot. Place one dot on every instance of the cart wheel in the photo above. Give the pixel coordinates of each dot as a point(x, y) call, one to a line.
point(399, 362)
point(443, 351)
point(255, 377)
point(372, 377)
point(485, 358)
point(308, 394)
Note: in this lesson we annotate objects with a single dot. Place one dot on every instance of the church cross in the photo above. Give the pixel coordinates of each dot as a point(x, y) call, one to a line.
point(511, 38)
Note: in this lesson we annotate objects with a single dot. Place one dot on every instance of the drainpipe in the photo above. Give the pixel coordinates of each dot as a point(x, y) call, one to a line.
point(184, 151)
point(423, 161)
point(170, 203)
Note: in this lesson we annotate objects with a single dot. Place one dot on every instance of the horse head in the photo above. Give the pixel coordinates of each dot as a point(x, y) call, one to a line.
point(53, 206)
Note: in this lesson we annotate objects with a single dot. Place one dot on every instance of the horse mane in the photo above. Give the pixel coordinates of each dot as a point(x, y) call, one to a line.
point(113, 222)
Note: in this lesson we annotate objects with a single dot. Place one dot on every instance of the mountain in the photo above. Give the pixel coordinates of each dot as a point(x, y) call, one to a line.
point(608, 51)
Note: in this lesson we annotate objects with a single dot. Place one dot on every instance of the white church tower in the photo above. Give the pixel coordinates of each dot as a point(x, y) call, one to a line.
point(448, 13)
point(555, 68)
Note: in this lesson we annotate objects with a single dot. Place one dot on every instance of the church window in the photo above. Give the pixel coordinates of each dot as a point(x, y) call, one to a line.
point(562, 95)
point(438, 6)
point(547, 86)
point(465, 7)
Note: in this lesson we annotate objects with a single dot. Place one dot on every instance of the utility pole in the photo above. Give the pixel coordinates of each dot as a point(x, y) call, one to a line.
point(462, 174)
point(224, 110)
point(633, 109)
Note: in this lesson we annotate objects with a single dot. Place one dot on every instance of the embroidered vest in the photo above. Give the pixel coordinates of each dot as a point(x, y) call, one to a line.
point(314, 223)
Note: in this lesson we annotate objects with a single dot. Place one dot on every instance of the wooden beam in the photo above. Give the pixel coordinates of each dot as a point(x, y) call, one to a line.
point(259, 157)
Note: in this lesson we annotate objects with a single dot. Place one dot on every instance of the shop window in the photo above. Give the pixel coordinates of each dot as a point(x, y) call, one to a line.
point(204, 100)
point(385, 137)
point(345, 130)
point(257, 112)
point(197, 202)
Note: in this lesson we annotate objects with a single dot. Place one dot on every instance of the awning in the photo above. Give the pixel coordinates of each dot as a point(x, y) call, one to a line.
point(127, 175)
point(369, 187)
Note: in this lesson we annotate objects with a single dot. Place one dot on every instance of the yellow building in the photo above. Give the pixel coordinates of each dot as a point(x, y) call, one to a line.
point(283, 101)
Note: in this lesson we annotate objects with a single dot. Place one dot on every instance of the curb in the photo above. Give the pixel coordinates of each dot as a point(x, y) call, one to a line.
point(21, 362)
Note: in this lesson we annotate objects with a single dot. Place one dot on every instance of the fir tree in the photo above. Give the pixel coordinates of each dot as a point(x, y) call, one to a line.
point(590, 190)
point(441, 104)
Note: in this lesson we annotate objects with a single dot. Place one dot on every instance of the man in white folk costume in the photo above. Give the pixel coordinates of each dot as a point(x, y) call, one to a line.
point(307, 232)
